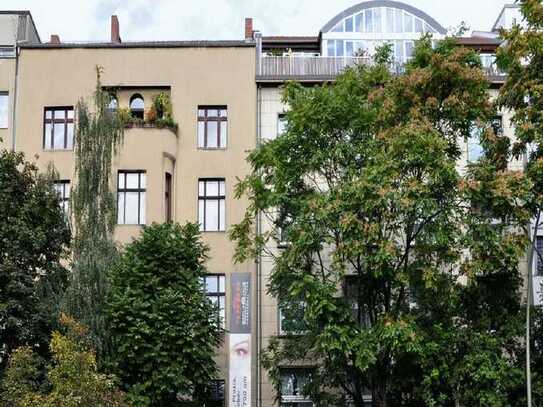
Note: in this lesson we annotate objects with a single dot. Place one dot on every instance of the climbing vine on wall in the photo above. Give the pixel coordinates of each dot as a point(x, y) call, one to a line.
point(98, 136)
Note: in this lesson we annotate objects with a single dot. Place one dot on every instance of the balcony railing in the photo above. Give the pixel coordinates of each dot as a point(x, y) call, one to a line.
point(284, 67)
point(322, 68)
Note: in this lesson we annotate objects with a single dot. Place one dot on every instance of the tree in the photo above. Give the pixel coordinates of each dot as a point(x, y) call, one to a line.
point(373, 206)
point(521, 57)
point(164, 329)
point(97, 139)
point(34, 238)
point(73, 376)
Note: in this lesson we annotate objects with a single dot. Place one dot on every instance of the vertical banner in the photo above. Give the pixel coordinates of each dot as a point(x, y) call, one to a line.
point(240, 341)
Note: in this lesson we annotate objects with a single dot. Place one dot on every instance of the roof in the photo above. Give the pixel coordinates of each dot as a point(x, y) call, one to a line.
point(144, 44)
point(290, 39)
point(308, 43)
point(480, 43)
point(23, 13)
point(494, 28)
point(383, 3)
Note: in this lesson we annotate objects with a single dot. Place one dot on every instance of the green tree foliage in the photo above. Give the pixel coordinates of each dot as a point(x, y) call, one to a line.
point(407, 269)
point(34, 237)
point(521, 57)
point(73, 376)
point(164, 329)
point(97, 139)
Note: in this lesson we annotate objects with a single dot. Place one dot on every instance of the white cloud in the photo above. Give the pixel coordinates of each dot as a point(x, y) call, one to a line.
point(88, 20)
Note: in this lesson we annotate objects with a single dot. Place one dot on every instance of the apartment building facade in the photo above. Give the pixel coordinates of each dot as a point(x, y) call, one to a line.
point(16, 28)
point(189, 173)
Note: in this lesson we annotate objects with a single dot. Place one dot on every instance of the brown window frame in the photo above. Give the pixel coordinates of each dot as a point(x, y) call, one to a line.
point(54, 121)
point(63, 197)
point(221, 321)
point(140, 191)
point(205, 197)
point(207, 119)
point(168, 196)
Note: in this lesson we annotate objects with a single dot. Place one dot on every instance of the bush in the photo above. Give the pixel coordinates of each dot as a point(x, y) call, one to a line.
point(164, 329)
point(74, 378)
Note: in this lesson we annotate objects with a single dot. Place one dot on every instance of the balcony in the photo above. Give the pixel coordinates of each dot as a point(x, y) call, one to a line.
point(318, 68)
point(304, 68)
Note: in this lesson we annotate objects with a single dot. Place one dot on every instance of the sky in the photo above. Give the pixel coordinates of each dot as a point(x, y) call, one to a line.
point(155, 20)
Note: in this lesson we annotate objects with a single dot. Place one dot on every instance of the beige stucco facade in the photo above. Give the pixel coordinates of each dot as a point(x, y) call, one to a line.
point(191, 75)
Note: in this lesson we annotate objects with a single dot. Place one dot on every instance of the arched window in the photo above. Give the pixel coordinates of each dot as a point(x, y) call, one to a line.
point(137, 106)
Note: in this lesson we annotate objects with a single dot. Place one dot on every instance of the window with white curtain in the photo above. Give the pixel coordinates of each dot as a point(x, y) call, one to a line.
point(211, 204)
point(131, 186)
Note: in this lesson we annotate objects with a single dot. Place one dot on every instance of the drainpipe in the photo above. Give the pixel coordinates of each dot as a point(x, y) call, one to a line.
point(259, 268)
point(15, 81)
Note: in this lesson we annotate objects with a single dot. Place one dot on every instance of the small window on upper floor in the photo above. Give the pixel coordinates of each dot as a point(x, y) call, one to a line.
point(281, 123)
point(475, 150)
point(58, 128)
point(4, 110)
point(62, 188)
point(212, 126)
point(137, 106)
point(113, 104)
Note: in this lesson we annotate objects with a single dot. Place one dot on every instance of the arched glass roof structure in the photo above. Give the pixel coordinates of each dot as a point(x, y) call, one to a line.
point(368, 24)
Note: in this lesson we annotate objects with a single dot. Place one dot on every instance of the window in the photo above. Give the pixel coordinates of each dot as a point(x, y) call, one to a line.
point(497, 125)
point(389, 20)
point(291, 318)
point(418, 25)
point(538, 255)
point(408, 23)
point(113, 104)
point(62, 188)
point(377, 20)
point(281, 123)
point(292, 385)
point(331, 47)
point(350, 292)
point(215, 396)
point(475, 150)
point(338, 28)
point(137, 106)
point(358, 21)
point(58, 128)
point(211, 201)
point(212, 127)
point(349, 48)
point(168, 196)
point(398, 21)
point(214, 288)
point(349, 24)
point(4, 110)
point(339, 48)
point(131, 197)
point(368, 21)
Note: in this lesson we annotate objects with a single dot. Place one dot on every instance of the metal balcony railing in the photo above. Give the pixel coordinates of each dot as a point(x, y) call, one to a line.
point(306, 67)
point(318, 68)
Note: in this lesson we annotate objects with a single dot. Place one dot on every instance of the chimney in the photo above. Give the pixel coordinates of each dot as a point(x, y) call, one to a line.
point(55, 39)
point(248, 28)
point(115, 36)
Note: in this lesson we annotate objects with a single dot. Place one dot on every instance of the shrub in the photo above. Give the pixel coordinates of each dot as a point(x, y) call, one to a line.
point(164, 329)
